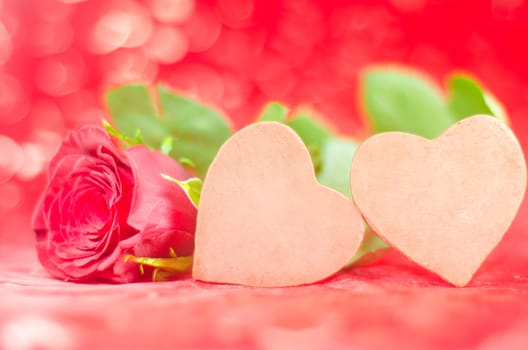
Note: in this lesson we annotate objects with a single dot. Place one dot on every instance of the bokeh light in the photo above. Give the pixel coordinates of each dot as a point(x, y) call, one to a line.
point(58, 57)
point(171, 11)
point(167, 45)
point(6, 47)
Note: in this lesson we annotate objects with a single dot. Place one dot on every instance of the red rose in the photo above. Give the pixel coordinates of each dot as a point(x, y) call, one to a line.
point(101, 204)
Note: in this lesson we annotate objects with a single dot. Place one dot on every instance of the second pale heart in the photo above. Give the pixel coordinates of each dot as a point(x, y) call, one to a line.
point(444, 203)
point(264, 220)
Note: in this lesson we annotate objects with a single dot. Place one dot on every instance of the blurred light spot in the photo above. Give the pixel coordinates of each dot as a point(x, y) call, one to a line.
point(112, 31)
point(227, 329)
point(504, 9)
point(47, 141)
point(60, 75)
point(274, 77)
point(10, 196)
point(512, 337)
point(236, 13)
point(203, 29)
point(51, 10)
point(347, 63)
point(116, 29)
point(200, 81)
point(13, 101)
point(171, 11)
point(303, 24)
point(127, 65)
point(511, 4)
point(296, 54)
point(71, 1)
point(91, 115)
point(409, 5)
point(11, 24)
point(45, 114)
point(358, 21)
point(236, 91)
point(34, 332)
point(358, 24)
point(142, 28)
point(34, 161)
point(51, 37)
point(238, 49)
point(246, 112)
point(341, 20)
point(167, 45)
point(6, 46)
point(277, 88)
point(72, 105)
point(429, 55)
point(324, 335)
point(11, 158)
point(480, 47)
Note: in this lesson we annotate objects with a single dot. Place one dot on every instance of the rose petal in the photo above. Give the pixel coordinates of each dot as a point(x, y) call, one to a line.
point(158, 202)
point(81, 217)
point(84, 141)
point(157, 243)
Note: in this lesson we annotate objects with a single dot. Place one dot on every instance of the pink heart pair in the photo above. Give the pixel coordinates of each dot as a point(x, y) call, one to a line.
point(264, 220)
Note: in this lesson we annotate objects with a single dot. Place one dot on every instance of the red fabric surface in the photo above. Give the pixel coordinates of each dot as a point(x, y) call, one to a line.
point(390, 304)
point(236, 56)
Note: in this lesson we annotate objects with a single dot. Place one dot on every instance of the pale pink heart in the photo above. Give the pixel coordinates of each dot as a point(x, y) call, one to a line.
point(445, 203)
point(263, 218)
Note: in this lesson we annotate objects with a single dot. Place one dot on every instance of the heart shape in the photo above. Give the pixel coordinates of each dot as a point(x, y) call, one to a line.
point(447, 202)
point(264, 220)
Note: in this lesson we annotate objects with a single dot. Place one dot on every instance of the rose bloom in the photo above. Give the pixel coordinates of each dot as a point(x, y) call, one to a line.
point(101, 204)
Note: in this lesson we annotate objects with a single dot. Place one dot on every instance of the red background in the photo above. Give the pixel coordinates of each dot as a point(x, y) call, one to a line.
point(57, 57)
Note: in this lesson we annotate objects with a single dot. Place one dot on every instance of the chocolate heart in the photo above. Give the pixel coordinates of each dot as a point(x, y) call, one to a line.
point(263, 218)
point(447, 202)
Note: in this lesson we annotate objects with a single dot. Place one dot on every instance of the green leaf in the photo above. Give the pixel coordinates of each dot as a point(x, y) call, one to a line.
point(198, 130)
point(309, 129)
point(273, 112)
point(167, 145)
point(192, 187)
point(113, 132)
point(304, 124)
point(315, 154)
point(186, 162)
point(127, 141)
point(336, 160)
point(132, 109)
point(313, 133)
point(466, 98)
point(496, 108)
point(138, 138)
point(397, 99)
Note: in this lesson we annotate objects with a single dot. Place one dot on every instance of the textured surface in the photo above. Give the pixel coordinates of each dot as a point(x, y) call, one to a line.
point(391, 304)
point(444, 203)
point(264, 220)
